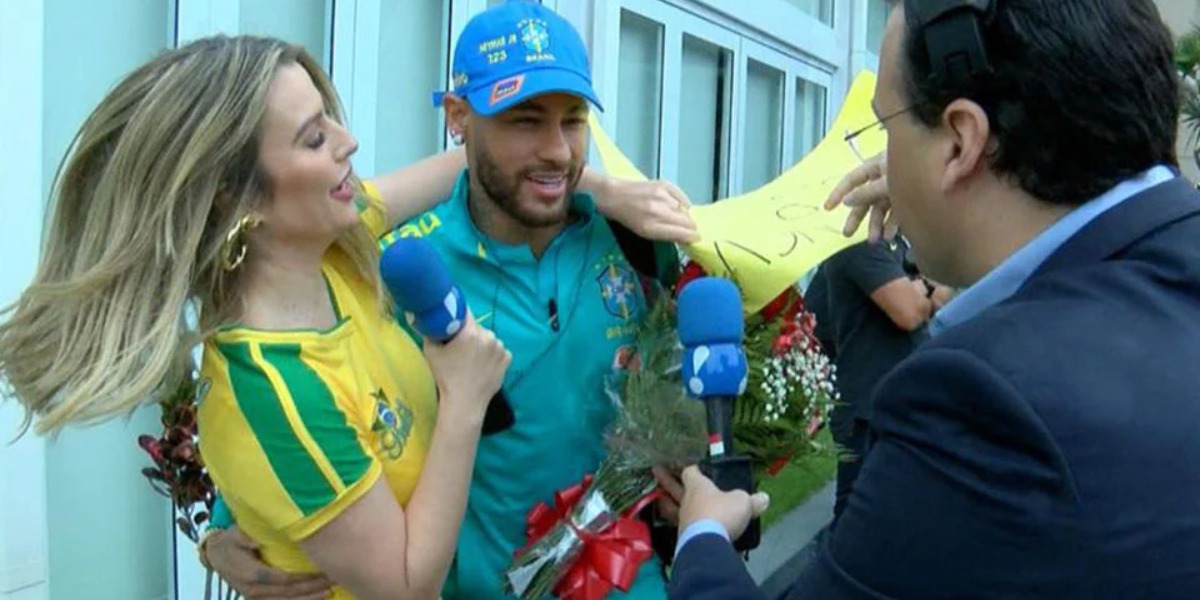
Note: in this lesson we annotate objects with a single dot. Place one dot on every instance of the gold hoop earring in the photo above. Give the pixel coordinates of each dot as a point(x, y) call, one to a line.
point(233, 251)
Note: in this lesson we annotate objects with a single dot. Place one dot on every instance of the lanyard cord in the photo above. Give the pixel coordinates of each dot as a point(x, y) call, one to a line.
point(554, 316)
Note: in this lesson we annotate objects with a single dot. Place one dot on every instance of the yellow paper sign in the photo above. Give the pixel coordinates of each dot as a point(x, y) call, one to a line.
point(765, 240)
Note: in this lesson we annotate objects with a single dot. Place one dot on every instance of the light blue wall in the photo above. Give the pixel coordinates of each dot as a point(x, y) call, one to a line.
point(302, 22)
point(411, 47)
point(89, 45)
point(109, 534)
point(23, 554)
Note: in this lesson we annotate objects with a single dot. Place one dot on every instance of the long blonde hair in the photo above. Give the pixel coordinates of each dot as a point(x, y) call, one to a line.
point(158, 174)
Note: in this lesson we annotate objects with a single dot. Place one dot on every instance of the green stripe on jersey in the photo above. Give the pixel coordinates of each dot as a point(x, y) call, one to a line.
point(319, 412)
point(262, 406)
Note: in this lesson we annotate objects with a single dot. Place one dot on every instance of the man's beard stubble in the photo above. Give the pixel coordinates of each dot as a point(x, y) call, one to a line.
point(504, 191)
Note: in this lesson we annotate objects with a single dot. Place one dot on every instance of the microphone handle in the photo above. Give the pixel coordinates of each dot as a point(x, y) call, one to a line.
point(735, 472)
point(499, 416)
point(719, 411)
point(729, 471)
point(432, 324)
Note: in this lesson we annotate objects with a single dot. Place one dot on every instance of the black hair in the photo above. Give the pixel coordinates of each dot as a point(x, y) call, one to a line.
point(1082, 94)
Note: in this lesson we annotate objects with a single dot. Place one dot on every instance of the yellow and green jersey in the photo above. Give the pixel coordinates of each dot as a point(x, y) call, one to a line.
point(298, 425)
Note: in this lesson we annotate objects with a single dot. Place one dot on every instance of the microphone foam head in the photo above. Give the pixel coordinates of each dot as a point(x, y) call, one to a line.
point(710, 312)
point(415, 275)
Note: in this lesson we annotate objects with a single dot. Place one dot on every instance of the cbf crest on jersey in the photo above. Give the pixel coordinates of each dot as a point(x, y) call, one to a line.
point(393, 423)
point(618, 288)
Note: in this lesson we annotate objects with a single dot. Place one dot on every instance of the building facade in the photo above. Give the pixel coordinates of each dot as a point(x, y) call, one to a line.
point(718, 95)
point(1182, 16)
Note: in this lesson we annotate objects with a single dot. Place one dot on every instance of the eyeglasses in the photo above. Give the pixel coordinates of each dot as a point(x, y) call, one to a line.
point(851, 135)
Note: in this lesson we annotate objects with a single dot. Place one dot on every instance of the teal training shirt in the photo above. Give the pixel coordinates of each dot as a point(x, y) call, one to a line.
point(556, 382)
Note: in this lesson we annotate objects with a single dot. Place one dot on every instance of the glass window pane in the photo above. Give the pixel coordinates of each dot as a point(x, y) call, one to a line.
point(810, 118)
point(877, 14)
point(762, 146)
point(821, 9)
point(639, 91)
point(303, 22)
point(412, 46)
point(704, 120)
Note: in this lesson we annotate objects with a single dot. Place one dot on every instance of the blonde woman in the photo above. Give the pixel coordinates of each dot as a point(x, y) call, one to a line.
point(219, 174)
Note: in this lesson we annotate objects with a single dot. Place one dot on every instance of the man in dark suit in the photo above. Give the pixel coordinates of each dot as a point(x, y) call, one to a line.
point(1045, 442)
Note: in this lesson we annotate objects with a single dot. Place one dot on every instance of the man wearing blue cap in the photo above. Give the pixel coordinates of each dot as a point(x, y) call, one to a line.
point(540, 268)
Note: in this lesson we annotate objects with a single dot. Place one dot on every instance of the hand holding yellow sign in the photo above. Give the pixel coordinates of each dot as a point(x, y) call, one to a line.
point(767, 239)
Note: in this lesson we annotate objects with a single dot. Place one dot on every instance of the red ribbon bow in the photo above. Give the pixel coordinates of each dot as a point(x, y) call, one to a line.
point(610, 558)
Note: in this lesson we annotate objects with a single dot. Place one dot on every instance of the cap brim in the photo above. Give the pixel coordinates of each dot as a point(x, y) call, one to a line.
point(538, 82)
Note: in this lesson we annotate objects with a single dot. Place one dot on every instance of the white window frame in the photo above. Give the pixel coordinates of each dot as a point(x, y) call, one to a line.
point(354, 66)
point(199, 18)
point(692, 17)
point(793, 69)
point(822, 79)
point(675, 24)
point(861, 56)
point(355, 69)
point(785, 25)
point(478, 6)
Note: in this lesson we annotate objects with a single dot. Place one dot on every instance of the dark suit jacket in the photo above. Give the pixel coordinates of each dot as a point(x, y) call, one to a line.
point(1048, 448)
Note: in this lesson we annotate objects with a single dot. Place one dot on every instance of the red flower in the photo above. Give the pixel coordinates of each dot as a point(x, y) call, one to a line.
point(635, 363)
point(152, 447)
point(808, 323)
point(788, 304)
point(815, 425)
point(691, 272)
point(796, 308)
point(184, 417)
point(774, 307)
point(782, 344)
point(774, 468)
point(789, 329)
point(184, 452)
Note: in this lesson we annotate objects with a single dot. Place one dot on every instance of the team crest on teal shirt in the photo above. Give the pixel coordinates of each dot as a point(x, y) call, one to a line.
point(393, 422)
point(618, 288)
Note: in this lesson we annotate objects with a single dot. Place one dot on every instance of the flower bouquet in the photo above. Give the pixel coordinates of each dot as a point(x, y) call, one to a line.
point(590, 541)
point(178, 469)
point(791, 387)
point(178, 472)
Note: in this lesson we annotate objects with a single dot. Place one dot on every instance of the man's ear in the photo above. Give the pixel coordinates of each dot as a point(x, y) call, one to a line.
point(458, 114)
point(970, 131)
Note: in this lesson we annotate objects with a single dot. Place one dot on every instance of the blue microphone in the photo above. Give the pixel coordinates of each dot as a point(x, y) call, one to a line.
point(420, 284)
point(711, 329)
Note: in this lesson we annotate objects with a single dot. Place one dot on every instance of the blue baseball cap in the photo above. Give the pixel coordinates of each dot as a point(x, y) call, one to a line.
point(516, 51)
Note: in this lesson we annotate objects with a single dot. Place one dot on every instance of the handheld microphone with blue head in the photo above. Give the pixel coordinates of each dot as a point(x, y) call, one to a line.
point(421, 285)
point(711, 329)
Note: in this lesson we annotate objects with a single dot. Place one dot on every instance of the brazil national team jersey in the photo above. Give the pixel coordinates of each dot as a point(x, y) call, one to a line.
point(566, 317)
point(298, 425)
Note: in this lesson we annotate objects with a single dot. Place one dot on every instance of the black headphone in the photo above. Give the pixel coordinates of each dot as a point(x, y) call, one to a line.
point(953, 34)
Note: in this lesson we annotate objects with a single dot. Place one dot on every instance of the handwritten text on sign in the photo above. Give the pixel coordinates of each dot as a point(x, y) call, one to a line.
point(767, 239)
